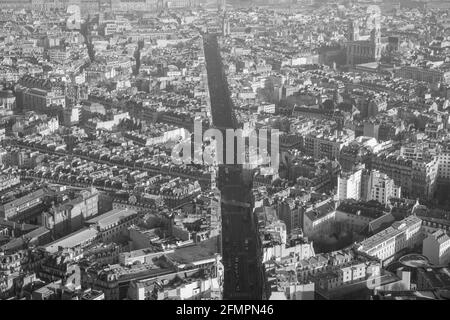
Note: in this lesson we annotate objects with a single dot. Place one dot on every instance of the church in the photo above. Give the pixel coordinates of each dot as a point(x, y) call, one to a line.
point(363, 49)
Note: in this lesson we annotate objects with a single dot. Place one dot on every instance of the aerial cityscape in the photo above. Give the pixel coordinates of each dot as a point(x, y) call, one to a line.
point(224, 150)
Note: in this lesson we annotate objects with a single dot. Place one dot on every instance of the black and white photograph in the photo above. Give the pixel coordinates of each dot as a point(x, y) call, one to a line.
point(224, 155)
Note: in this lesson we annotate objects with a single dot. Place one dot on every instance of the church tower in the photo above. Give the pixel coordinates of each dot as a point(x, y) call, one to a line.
point(353, 31)
point(375, 38)
point(225, 26)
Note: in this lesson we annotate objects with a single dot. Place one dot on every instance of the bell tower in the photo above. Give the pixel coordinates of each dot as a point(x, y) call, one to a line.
point(353, 30)
point(375, 38)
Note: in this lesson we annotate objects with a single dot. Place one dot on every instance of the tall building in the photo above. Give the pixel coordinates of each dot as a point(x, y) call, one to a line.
point(349, 185)
point(367, 186)
point(379, 187)
point(74, 21)
point(290, 212)
point(244, 276)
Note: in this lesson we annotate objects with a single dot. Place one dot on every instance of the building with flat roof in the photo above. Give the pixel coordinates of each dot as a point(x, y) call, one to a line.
point(193, 284)
point(142, 268)
point(139, 256)
point(349, 185)
point(79, 239)
point(113, 224)
point(18, 208)
point(380, 187)
point(424, 74)
point(318, 219)
point(70, 215)
point(39, 236)
point(92, 295)
point(322, 145)
point(386, 244)
point(357, 216)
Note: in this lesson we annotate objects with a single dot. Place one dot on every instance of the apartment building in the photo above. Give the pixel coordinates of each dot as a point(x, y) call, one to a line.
point(113, 224)
point(379, 187)
point(436, 247)
point(21, 207)
point(322, 145)
point(8, 181)
point(385, 245)
point(349, 185)
point(69, 216)
point(423, 74)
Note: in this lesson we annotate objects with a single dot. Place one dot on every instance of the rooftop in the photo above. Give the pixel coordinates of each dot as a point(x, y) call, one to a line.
point(72, 240)
point(193, 254)
point(111, 217)
point(397, 228)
